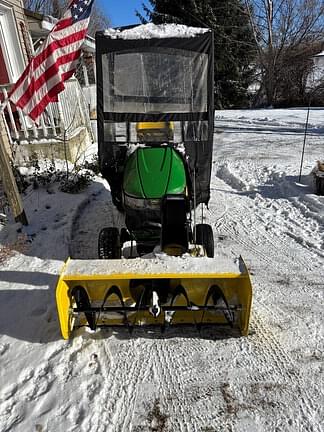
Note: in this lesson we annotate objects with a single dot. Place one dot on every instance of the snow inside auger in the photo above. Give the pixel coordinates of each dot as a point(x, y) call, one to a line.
point(155, 140)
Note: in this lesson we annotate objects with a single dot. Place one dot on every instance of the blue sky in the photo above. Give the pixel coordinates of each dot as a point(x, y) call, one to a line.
point(121, 12)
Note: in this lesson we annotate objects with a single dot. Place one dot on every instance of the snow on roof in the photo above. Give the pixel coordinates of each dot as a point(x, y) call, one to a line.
point(319, 54)
point(151, 31)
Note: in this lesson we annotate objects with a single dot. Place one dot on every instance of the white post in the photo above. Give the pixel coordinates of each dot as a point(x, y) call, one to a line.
point(85, 73)
point(12, 120)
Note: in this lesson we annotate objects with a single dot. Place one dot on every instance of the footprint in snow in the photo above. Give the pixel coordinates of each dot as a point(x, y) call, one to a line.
point(26, 375)
point(4, 348)
point(8, 392)
point(93, 367)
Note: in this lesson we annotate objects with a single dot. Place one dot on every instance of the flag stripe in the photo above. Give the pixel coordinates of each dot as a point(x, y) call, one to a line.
point(36, 84)
point(52, 82)
point(47, 87)
point(35, 74)
point(39, 108)
point(46, 53)
point(56, 61)
point(64, 23)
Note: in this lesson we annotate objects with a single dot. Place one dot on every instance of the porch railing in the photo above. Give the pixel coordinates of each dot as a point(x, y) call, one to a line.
point(60, 118)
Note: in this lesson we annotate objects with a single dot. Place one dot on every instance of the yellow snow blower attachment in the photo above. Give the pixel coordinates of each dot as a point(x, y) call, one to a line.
point(151, 292)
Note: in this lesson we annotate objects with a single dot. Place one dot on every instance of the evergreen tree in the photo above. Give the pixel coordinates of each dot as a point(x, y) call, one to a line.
point(234, 43)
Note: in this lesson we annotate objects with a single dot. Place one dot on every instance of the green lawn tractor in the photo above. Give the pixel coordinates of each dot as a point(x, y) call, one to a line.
point(155, 108)
point(155, 132)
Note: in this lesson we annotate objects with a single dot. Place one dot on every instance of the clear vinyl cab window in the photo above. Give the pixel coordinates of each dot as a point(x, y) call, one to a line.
point(166, 80)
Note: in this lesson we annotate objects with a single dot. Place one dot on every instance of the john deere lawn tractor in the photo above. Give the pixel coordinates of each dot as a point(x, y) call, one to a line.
point(155, 132)
point(156, 191)
point(155, 103)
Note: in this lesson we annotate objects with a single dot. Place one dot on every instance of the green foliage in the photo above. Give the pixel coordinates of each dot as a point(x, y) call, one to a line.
point(234, 42)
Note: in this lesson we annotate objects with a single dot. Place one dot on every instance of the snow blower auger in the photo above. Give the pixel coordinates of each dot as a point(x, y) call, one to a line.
point(155, 142)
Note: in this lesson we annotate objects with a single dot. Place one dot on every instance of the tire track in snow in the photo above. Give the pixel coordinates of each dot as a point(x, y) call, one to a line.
point(139, 375)
point(291, 214)
point(168, 369)
point(123, 370)
point(238, 224)
point(233, 223)
point(270, 352)
point(130, 364)
point(181, 372)
point(97, 213)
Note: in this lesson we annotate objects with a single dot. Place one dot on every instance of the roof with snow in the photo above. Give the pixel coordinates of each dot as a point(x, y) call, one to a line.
point(150, 31)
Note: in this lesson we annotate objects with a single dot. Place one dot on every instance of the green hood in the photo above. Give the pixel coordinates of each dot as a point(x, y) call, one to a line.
point(153, 172)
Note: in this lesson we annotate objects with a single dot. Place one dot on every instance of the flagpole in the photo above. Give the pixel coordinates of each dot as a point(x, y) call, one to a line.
point(304, 143)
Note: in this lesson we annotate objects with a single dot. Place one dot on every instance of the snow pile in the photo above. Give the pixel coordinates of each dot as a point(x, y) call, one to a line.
point(250, 176)
point(268, 120)
point(154, 31)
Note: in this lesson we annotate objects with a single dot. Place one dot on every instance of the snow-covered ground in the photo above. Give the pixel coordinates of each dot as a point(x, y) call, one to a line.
point(271, 380)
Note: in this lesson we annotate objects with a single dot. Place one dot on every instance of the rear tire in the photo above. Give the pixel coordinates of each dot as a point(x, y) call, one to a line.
point(204, 236)
point(109, 243)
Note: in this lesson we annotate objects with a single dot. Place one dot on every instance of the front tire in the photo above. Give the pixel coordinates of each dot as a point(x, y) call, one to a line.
point(204, 236)
point(109, 243)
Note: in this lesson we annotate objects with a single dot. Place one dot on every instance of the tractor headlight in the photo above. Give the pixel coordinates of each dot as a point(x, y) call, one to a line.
point(142, 203)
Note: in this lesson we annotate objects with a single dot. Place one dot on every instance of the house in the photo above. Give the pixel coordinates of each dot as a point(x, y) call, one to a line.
point(317, 75)
point(65, 126)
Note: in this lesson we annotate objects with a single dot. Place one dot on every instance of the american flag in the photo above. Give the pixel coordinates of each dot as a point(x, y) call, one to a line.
point(55, 62)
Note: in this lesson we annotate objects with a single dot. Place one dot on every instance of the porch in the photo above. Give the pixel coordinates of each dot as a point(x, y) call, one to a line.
point(64, 131)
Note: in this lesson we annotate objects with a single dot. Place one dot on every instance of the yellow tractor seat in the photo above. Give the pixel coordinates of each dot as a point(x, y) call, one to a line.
point(148, 132)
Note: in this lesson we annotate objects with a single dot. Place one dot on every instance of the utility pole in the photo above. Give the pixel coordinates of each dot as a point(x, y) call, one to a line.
point(8, 179)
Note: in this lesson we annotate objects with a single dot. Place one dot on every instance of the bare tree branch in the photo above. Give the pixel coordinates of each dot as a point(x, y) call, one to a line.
point(279, 27)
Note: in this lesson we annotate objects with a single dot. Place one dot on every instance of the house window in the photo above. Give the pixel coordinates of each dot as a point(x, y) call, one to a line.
point(4, 79)
point(10, 44)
